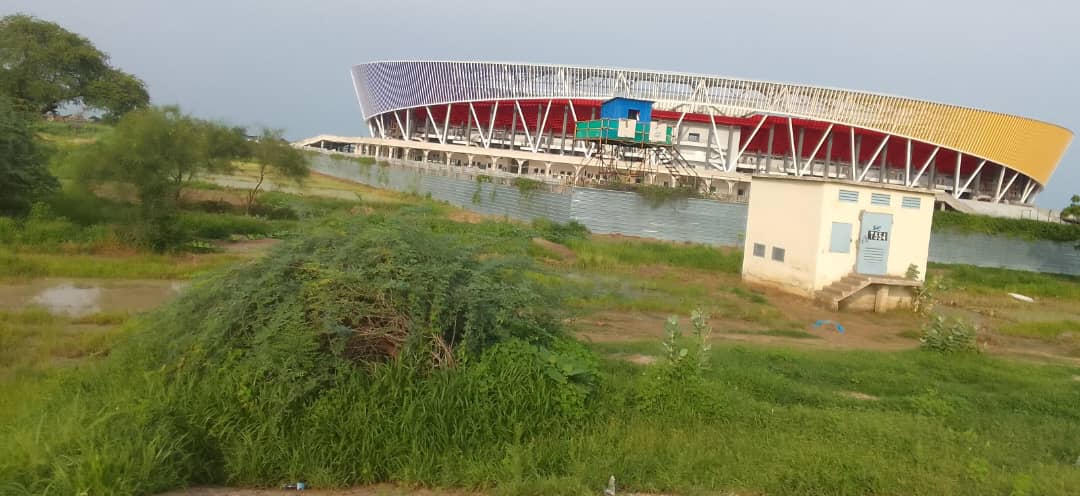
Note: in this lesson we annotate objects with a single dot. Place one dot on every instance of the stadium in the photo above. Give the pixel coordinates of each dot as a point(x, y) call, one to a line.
point(521, 119)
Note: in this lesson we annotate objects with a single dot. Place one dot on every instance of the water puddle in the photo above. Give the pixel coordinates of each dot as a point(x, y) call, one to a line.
point(79, 297)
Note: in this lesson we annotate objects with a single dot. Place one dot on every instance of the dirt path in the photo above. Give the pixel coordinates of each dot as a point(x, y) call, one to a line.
point(892, 331)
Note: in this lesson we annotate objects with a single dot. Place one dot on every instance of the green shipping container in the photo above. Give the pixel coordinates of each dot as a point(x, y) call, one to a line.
point(608, 130)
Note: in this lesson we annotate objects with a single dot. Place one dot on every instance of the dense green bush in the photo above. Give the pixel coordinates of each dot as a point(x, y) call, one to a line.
point(560, 233)
point(202, 225)
point(1017, 228)
point(369, 349)
point(44, 230)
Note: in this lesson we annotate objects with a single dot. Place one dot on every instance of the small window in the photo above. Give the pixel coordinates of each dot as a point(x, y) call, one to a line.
point(633, 114)
point(693, 137)
point(759, 250)
point(849, 196)
point(880, 199)
point(911, 202)
point(778, 254)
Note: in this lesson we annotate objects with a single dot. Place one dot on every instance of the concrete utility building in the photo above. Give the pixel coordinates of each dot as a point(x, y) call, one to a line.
point(848, 244)
point(521, 119)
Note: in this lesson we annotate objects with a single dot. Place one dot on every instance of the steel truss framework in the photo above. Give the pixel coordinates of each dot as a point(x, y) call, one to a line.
point(780, 128)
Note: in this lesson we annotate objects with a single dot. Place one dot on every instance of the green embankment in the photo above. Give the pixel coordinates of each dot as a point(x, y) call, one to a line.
point(329, 361)
point(997, 226)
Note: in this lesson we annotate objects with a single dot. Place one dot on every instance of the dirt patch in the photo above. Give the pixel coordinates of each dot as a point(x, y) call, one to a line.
point(616, 327)
point(467, 217)
point(248, 246)
point(619, 327)
point(233, 198)
point(859, 396)
point(565, 254)
point(1076, 378)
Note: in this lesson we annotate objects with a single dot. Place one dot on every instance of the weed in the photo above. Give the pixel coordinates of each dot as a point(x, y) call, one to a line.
point(527, 186)
point(656, 196)
point(949, 336)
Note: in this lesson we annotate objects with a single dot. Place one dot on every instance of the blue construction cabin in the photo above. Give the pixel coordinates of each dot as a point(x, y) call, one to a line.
point(626, 108)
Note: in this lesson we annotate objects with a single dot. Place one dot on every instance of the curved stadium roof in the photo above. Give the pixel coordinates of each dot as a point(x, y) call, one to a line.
point(1028, 146)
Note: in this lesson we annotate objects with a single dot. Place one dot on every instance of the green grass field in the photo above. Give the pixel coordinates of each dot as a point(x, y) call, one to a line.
point(989, 280)
point(197, 394)
point(382, 342)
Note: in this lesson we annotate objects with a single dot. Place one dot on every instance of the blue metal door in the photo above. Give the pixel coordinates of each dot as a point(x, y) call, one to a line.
point(874, 234)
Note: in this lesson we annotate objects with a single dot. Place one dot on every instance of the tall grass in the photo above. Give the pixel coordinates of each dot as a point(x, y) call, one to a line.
point(599, 253)
point(1017, 228)
point(330, 361)
point(325, 362)
point(991, 280)
point(141, 266)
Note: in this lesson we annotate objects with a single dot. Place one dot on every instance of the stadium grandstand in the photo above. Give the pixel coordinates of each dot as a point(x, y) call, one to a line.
point(517, 118)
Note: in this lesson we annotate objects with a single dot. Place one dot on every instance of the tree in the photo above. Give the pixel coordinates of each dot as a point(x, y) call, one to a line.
point(23, 176)
point(1071, 213)
point(44, 66)
point(117, 93)
point(272, 153)
point(159, 151)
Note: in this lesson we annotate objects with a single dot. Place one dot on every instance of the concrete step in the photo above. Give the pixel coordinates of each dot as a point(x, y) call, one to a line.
point(830, 294)
point(846, 286)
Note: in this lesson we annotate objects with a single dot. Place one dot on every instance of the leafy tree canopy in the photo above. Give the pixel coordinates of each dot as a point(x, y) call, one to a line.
point(159, 150)
point(23, 175)
point(44, 66)
point(1072, 212)
point(272, 153)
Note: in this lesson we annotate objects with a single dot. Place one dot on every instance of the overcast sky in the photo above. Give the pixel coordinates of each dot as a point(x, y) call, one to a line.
point(285, 64)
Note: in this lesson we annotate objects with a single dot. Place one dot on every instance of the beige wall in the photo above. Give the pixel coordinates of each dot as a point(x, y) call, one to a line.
point(797, 215)
point(910, 238)
point(783, 214)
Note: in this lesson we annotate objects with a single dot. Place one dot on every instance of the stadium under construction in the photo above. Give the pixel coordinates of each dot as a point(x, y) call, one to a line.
point(562, 124)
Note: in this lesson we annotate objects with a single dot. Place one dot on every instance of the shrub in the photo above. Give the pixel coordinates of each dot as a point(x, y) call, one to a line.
point(560, 233)
point(527, 186)
point(389, 338)
point(678, 382)
point(43, 230)
point(949, 336)
point(1017, 228)
point(220, 226)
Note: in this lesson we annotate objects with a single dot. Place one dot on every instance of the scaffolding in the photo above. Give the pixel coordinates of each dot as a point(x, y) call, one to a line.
point(628, 151)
